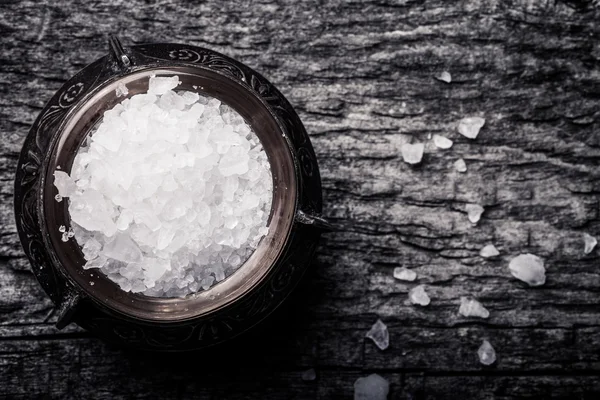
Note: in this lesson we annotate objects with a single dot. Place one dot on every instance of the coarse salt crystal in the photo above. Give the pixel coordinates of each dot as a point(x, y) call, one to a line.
point(444, 76)
point(486, 353)
point(489, 251)
point(460, 165)
point(472, 308)
point(372, 387)
point(528, 268)
point(404, 274)
point(412, 153)
point(470, 126)
point(474, 212)
point(417, 295)
point(379, 335)
point(442, 142)
point(590, 243)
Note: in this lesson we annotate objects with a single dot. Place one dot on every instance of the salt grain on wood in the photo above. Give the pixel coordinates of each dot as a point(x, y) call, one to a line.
point(413, 153)
point(489, 251)
point(460, 165)
point(444, 77)
point(470, 126)
point(372, 387)
point(528, 268)
point(404, 274)
point(417, 295)
point(379, 335)
point(590, 243)
point(474, 212)
point(486, 353)
point(442, 142)
point(472, 308)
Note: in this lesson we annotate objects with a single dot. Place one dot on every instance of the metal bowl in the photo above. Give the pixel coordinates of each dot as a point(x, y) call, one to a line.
point(230, 307)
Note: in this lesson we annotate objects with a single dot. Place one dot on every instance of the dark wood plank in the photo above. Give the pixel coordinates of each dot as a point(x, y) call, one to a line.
point(361, 75)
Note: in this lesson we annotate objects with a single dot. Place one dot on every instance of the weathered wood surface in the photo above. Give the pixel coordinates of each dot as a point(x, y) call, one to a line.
point(361, 75)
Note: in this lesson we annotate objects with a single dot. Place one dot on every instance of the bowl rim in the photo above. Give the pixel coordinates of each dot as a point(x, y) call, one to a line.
point(250, 274)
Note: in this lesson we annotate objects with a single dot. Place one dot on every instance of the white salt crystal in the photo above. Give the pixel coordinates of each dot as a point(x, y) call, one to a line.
point(460, 165)
point(590, 242)
point(417, 295)
point(309, 375)
point(474, 212)
point(161, 85)
point(486, 353)
point(121, 90)
point(444, 77)
point(442, 142)
point(528, 268)
point(470, 126)
point(379, 335)
point(62, 229)
point(404, 274)
point(472, 308)
point(65, 185)
point(65, 237)
point(413, 153)
point(489, 251)
point(58, 198)
point(171, 193)
point(372, 387)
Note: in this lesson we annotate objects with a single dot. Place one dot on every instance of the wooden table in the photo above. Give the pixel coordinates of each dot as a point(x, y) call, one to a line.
point(361, 74)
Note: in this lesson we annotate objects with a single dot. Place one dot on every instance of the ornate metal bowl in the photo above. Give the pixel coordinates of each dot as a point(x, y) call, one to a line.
point(205, 318)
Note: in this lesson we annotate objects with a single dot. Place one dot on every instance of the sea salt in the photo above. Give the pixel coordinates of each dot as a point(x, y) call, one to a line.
point(404, 274)
point(472, 308)
point(170, 194)
point(474, 212)
point(379, 335)
point(470, 126)
point(417, 295)
point(528, 268)
point(372, 387)
point(486, 353)
point(460, 165)
point(121, 90)
point(489, 251)
point(444, 77)
point(412, 153)
point(442, 142)
point(590, 243)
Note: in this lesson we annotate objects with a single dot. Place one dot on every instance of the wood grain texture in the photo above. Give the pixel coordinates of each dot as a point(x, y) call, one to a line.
point(361, 76)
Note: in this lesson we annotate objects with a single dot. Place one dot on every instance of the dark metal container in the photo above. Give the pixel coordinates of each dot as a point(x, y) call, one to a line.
point(229, 307)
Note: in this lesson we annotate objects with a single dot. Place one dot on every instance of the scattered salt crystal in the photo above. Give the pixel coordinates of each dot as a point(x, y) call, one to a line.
point(309, 375)
point(91, 283)
point(444, 77)
point(58, 198)
point(65, 237)
point(528, 268)
point(474, 212)
point(460, 165)
point(121, 90)
point(62, 229)
point(413, 153)
point(417, 295)
point(372, 387)
point(379, 335)
point(404, 274)
point(472, 308)
point(470, 126)
point(590, 243)
point(489, 251)
point(486, 353)
point(171, 194)
point(442, 142)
